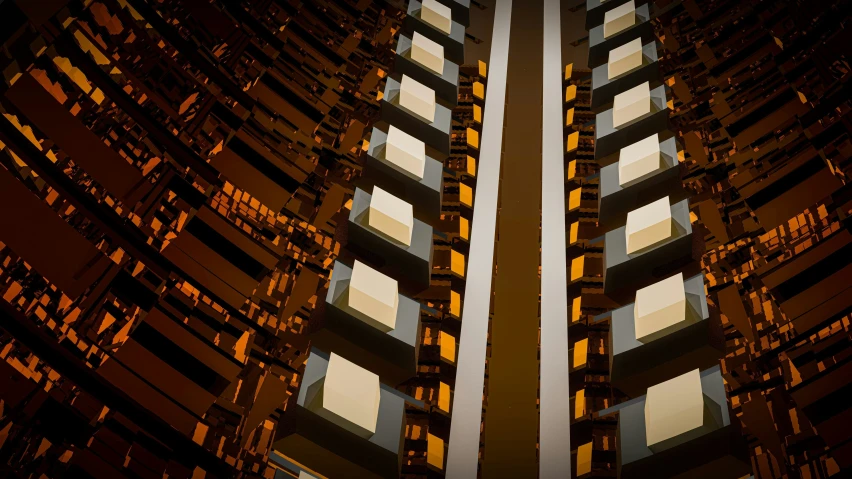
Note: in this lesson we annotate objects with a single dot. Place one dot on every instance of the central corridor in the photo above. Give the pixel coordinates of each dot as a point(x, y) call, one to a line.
point(511, 415)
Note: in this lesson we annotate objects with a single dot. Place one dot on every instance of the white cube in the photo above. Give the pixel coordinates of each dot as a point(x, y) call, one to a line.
point(374, 296)
point(305, 475)
point(417, 97)
point(391, 216)
point(660, 309)
point(648, 225)
point(631, 104)
point(639, 159)
point(349, 397)
point(427, 53)
point(437, 15)
point(406, 152)
point(619, 19)
point(624, 58)
point(674, 408)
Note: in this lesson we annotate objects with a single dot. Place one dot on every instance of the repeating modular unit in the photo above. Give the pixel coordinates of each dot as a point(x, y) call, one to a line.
point(348, 419)
point(663, 345)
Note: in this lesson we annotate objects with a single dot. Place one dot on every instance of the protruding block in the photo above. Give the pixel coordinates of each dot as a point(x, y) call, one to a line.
point(660, 308)
point(417, 97)
point(391, 216)
point(631, 104)
point(619, 18)
point(427, 53)
point(639, 159)
point(305, 475)
point(677, 411)
point(375, 296)
point(437, 15)
point(406, 152)
point(349, 397)
point(624, 58)
point(648, 225)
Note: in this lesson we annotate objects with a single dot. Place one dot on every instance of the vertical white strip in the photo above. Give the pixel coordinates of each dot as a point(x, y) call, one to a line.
point(555, 413)
point(463, 455)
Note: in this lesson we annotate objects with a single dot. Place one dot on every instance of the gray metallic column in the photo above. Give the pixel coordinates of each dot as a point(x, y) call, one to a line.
point(462, 457)
point(555, 416)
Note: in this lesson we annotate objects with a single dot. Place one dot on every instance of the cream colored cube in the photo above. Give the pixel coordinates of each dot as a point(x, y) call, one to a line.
point(648, 225)
point(631, 104)
point(350, 397)
point(406, 152)
point(427, 53)
point(437, 15)
point(639, 159)
point(619, 19)
point(659, 308)
point(305, 475)
point(673, 408)
point(417, 97)
point(391, 216)
point(624, 58)
point(374, 296)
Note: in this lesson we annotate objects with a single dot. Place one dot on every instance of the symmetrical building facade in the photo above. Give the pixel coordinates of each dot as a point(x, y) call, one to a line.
point(424, 239)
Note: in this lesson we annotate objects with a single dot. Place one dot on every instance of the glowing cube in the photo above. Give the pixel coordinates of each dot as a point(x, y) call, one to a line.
point(675, 409)
point(648, 225)
point(437, 15)
point(659, 308)
point(624, 58)
point(427, 53)
point(374, 295)
point(417, 97)
point(406, 152)
point(619, 19)
point(349, 397)
point(631, 104)
point(391, 216)
point(639, 159)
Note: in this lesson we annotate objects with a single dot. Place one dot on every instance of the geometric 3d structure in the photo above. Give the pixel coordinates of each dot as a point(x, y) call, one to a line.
point(396, 244)
point(348, 396)
point(394, 164)
point(355, 318)
point(437, 15)
point(624, 58)
point(391, 216)
point(677, 411)
point(631, 104)
point(648, 225)
point(619, 18)
point(405, 151)
point(427, 53)
point(661, 336)
point(660, 308)
point(417, 97)
point(639, 159)
point(374, 297)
